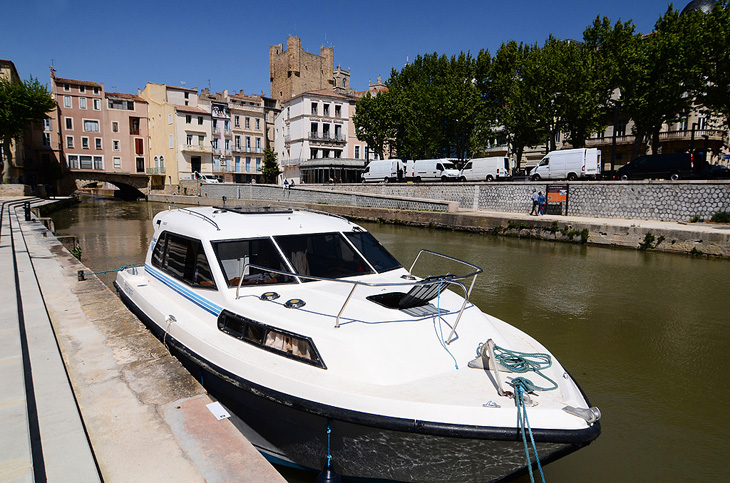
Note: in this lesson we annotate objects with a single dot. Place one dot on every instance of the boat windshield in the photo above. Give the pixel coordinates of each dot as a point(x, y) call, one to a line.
point(326, 255)
point(236, 255)
point(373, 251)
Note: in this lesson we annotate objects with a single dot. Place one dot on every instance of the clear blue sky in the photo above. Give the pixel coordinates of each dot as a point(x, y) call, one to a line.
point(125, 44)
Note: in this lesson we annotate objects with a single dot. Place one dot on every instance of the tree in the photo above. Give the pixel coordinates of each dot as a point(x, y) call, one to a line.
point(270, 169)
point(373, 121)
point(21, 104)
point(717, 57)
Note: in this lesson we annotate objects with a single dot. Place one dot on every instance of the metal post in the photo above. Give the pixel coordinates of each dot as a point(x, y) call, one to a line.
point(613, 141)
point(26, 207)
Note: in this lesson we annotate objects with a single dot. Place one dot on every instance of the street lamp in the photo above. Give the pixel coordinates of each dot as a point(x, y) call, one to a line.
point(692, 138)
point(615, 127)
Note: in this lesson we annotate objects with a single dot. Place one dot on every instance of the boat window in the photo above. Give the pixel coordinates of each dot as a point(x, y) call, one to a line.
point(325, 255)
point(279, 341)
point(235, 257)
point(373, 251)
point(184, 259)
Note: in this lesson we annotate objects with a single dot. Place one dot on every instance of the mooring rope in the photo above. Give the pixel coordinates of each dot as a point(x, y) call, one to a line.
point(518, 383)
point(124, 267)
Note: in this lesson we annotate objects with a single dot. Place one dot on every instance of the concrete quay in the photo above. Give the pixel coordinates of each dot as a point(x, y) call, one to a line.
point(88, 393)
point(700, 239)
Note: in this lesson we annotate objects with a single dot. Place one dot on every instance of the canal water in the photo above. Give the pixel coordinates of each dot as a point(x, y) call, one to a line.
point(646, 335)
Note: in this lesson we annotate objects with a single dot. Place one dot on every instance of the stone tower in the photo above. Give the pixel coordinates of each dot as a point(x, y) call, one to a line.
point(293, 71)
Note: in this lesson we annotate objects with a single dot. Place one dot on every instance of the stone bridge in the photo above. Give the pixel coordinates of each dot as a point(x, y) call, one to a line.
point(131, 186)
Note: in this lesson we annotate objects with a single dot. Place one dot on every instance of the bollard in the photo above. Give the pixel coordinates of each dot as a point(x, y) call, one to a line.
point(81, 275)
point(26, 207)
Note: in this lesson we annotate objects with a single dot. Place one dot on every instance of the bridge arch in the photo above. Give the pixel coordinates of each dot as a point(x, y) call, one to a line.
point(131, 186)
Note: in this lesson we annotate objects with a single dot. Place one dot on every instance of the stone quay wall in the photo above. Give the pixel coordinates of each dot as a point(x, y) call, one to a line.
point(641, 200)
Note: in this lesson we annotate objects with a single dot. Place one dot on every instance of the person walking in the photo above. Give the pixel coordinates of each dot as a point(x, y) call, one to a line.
point(541, 203)
point(535, 209)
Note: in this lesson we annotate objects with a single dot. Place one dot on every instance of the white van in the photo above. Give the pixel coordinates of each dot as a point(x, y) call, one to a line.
point(569, 164)
point(205, 178)
point(486, 169)
point(385, 170)
point(434, 170)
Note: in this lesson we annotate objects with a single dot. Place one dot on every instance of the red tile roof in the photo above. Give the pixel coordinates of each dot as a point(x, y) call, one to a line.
point(122, 95)
point(60, 80)
point(191, 109)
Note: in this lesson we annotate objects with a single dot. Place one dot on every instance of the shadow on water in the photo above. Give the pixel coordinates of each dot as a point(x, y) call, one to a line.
point(645, 334)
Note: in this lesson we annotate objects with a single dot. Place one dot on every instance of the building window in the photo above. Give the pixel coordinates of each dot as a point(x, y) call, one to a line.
point(187, 95)
point(190, 139)
point(98, 143)
point(82, 88)
point(115, 145)
point(258, 124)
point(200, 120)
point(115, 126)
point(140, 165)
point(47, 124)
point(169, 119)
point(70, 142)
point(138, 146)
point(91, 125)
point(85, 162)
point(117, 162)
point(326, 109)
point(236, 121)
point(134, 125)
point(248, 143)
point(201, 141)
point(258, 165)
point(82, 103)
point(66, 87)
point(248, 164)
point(97, 104)
point(258, 145)
point(314, 108)
point(188, 118)
point(247, 123)
point(96, 90)
point(314, 129)
point(338, 110)
point(357, 152)
point(69, 124)
point(702, 123)
point(170, 141)
point(73, 161)
point(46, 139)
point(67, 101)
point(98, 162)
point(237, 142)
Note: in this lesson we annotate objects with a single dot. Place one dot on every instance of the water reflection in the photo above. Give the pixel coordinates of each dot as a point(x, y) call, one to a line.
point(645, 334)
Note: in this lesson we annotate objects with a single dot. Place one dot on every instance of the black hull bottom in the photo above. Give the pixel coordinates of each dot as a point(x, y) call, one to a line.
point(292, 434)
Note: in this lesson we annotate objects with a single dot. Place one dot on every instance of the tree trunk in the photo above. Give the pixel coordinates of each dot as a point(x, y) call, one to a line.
point(7, 161)
point(638, 140)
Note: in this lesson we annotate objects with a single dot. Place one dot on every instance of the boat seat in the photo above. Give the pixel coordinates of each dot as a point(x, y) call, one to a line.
point(417, 296)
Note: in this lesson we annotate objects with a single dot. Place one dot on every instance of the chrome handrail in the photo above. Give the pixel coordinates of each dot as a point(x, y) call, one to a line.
point(450, 280)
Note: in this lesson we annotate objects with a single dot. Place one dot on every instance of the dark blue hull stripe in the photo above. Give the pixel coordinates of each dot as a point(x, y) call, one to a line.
point(201, 302)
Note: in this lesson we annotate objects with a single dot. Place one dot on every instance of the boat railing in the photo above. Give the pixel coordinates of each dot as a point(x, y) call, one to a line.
point(409, 280)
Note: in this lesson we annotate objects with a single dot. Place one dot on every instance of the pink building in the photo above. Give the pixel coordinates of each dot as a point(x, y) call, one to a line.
point(127, 135)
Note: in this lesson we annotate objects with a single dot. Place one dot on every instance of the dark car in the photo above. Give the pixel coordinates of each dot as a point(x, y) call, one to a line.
point(664, 166)
point(717, 172)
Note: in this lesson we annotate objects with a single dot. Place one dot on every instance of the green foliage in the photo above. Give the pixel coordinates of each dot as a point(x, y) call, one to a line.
point(526, 94)
point(270, 168)
point(21, 104)
point(648, 242)
point(721, 217)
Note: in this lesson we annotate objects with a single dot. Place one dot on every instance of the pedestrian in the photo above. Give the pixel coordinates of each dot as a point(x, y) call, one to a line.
point(291, 184)
point(541, 203)
point(534, 197)
point(286, 184)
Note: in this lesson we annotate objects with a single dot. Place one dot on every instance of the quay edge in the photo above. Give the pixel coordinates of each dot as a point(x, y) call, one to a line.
point(144, 415)
point(699, 239)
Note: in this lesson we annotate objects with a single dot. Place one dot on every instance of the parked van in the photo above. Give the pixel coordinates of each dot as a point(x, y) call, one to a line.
point(434, 170)
point(664, 166)
point(569, 164)
point(385, 170)
point(486, 169)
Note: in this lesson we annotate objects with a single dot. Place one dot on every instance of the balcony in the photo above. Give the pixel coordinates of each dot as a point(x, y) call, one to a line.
point(216, 130)
point(194, 148)
point(686, 135)
point(327, 137)
point(608, 141)
point(156, 171)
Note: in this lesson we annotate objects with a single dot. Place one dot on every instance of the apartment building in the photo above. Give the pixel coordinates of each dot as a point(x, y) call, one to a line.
point(128, 134)
point(238, 134)
point(312, 133)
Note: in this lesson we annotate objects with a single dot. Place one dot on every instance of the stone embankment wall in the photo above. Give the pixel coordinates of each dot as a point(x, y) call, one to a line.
point(639, 200)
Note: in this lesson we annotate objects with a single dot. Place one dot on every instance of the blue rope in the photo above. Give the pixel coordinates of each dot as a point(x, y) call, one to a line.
point(522, 362)
point(441, 330)
point(522, 421)
point(329, 450)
